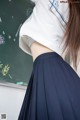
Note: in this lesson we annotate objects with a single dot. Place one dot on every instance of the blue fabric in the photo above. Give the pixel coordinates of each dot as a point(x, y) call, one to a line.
point(53, 92)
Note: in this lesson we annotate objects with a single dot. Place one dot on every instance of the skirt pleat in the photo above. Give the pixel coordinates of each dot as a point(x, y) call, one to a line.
point(53, 91)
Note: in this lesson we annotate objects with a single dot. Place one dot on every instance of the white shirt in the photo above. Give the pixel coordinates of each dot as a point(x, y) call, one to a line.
point(45, 25)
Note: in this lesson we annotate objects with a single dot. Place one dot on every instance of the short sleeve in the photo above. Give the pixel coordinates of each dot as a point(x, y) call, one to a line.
point(43, 26)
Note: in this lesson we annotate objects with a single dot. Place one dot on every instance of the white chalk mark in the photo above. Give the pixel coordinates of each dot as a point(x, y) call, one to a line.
point(0, 19)
point(10, 76)
point(9, 36)
point(14, 39)
point(3, 33)
point(2, 39)
point(12, 17)
point(18, 30)
point(29, 10)
point(10, 0)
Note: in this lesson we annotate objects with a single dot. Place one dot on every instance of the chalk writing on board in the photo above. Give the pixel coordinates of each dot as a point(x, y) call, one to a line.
point(4, 69)
point(12, 17)
point(15, 65)
point(2, 39)
point(3, 32)
point(18, 30)
point(0, 19)
point(9, 36)
point(28, 11)
point(10, 0)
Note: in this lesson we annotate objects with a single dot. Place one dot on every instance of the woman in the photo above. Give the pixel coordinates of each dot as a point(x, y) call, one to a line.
point(49, 34)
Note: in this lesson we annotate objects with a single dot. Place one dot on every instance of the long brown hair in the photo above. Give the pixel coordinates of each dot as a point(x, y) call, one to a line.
point(72, 33)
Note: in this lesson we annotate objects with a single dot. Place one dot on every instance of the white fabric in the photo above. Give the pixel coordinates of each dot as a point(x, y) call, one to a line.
point(45, 25)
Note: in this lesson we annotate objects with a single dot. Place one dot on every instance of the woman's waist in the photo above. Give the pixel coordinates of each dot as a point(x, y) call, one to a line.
point(38, 49)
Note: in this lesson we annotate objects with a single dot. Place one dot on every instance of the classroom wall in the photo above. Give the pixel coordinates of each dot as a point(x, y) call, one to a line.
point(11, 100)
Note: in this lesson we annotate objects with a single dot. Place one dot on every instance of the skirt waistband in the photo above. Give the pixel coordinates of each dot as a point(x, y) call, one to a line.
point(46, 55)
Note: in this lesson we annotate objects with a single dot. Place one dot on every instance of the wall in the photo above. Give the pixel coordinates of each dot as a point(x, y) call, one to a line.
point(11, 100)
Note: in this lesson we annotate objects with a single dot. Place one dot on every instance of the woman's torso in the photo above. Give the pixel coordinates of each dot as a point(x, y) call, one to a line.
point(38, 49)
point(45, 27)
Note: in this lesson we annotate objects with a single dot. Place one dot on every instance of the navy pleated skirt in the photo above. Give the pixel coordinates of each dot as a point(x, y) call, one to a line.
point(53, 91)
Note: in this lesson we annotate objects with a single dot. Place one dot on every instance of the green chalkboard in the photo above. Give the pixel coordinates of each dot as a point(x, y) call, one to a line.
point(15, 65)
